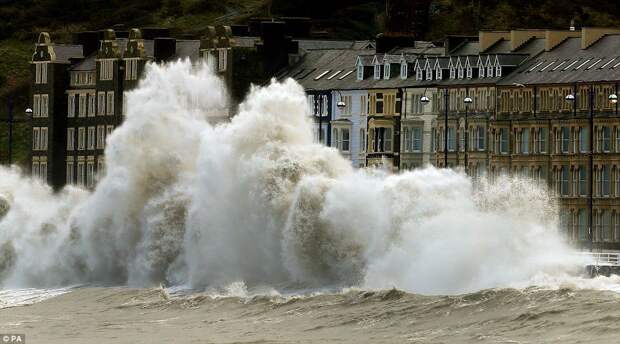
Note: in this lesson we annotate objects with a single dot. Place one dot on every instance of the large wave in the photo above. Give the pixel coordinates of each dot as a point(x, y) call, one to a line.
point(255, 200)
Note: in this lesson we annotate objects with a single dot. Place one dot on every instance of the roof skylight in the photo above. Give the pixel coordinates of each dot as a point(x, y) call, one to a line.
point(333, 75)
point(345, 75)
point(321, 75)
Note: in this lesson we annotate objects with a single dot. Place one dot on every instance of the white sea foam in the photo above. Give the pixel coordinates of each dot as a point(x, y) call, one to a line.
point(255, 200)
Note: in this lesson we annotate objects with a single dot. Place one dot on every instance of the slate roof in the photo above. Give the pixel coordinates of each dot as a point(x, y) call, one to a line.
point(64, 52)
point(185, 48)
point(568, 63)
point(317, 44)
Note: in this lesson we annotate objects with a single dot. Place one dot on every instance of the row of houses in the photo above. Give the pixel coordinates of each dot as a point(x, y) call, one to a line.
point(502, 102)
point(505, 102)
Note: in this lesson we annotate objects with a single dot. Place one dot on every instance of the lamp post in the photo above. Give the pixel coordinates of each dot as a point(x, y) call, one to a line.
point(467, 101)
point(425, 100)
point(613, 98)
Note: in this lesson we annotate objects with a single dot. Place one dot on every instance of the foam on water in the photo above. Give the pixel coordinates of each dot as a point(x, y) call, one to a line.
point(256, 202)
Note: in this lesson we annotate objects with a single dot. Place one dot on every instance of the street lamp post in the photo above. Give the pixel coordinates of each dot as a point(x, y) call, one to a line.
point(613, 98)
point(467, 101)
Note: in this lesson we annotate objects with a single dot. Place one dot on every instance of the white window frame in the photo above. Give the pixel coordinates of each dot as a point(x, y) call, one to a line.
point(70, 139)
point(44, 106)
point(377, 72)
point(36, 101)
point(90, 138)
point(100, 136)
point(222, 60)
point(403, 71)
point(101, 101)
point(81, 138)
point(386, 71)
point(360, 72)
point(110, 103)
point(71, 105)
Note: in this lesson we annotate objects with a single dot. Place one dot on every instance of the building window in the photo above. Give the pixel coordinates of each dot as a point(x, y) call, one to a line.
point(360, 72)
point(362, 140)
point(498, 71)
point(43, 170)
point(108, 130)
point(131, 69)
point(379, 103)
point(583, 140)
point(565, 137)
point(481, 71)
point(386, 71)
point(40, 73)
point(503, 140)
point(604, 181)
point(429, 73)
point(541, 140)
point(470, 72)
point(419, 74)
point(403, 71)
point(36, 100)
point(460, 72)
point(100, 137)
point(564, 180)
point(582, 181)
point(100, 167)
point(605, 139)
point(81, 138)
point(70, 178)
point(91, 105)
point(101, 103)
point(90, 173)
point(43, 144)
point(525, 141)
point(480, 138)
point(451, 139)
point(348, 105)
point(489, 71)
point(71, 106)
point(106, 69)
point(452, 73)
point(36, 138)
point(82, 105)
point(222, 60)
point(345, 139)
point(91, 138)
point(606, 225)
point(110, 103)
point(81, 173)
point(416, 140)
point(70, 139)
point(377, 72)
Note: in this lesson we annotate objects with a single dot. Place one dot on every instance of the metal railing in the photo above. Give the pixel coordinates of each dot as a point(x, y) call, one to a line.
point(603, 258)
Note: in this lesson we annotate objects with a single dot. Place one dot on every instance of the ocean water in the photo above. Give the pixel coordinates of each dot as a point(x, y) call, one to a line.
point(252, 213)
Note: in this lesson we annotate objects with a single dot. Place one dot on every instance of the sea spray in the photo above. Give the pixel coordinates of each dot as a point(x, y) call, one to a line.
point(186, 202)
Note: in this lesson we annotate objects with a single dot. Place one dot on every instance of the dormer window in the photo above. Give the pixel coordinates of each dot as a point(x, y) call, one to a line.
point(377, 72)
point(360, 72)
point(498, 70)
point(489, 71)
point(403, 71)
point(470, 72)
point(452, 73)
point(461, 72)
point(418, 74)
point(429, 73)
point(481, 70)
point(438, 74)
point(386, 71)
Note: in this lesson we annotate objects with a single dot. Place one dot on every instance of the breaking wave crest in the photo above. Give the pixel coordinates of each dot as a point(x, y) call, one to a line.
point(186, 202)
